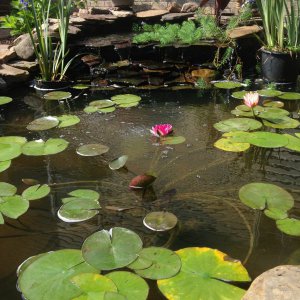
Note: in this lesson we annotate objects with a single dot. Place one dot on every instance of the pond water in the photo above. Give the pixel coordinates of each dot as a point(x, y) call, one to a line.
point(195, 181)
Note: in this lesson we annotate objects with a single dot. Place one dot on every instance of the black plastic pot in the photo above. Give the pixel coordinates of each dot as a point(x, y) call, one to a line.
point(43, 85)
point(280, 67)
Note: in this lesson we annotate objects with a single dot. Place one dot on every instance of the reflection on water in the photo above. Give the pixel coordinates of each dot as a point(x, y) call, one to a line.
point(196, 182)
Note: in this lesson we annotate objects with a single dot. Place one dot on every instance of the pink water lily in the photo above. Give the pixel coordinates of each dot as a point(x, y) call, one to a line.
point(251, 99)
point(161, 129)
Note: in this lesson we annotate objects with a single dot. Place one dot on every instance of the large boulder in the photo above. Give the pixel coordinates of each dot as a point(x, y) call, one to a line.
point(280, 283)
point(24, 47)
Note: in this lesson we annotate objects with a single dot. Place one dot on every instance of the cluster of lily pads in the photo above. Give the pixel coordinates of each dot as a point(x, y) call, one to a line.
point(118, 101)
point(189, 273)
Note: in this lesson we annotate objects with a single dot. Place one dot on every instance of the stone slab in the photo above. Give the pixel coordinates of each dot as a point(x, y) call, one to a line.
point(24, 65)
point(13, 74)
point(7, 53)
point(176, 17)
point(152, 13)
point(243, 31)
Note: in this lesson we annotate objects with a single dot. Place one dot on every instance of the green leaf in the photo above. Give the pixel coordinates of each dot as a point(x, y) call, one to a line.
point(108, 250)
point(126, 105)
point(275, 214)
point(90, 109)
point(13, 140)
point(39, 147)
point(165, 263)
point(43, 123)
point(231, 146)
point(293, 142)
point(238, 124)
point(80, 86)
point(228, 85)
point(27, 262)
point(270, 103)
point(130, 285)
point(126, 98)
point(102, 103)
point(1, 219)
point(172, 140)
point(239, 94)
point(106, 110)
point(48, 277)
point(267, 139)
point(4, 165)
point(67, 120)
point(13, 206)
point(289, 226)
point(282, 122)
point(118, 163)
point(266, 196)
point(7, 189)
point(9, 151)
point(4, 100)
point(92, 149)
point(160, 221)
point(269, 93)
point(85, 194)
point(205, 275)
point(57, 95)
point(290, 96)
point(36, 192)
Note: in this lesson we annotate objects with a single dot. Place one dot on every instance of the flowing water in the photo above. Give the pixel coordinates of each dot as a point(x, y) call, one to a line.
point(195, 181)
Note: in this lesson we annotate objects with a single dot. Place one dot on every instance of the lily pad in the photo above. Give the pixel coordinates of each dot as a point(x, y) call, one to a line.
point(9, 151)
point(297, 134)
point(85, 194)
point(205, 275)
point(228, 85)
point(5, 100)
point(240, 113)
point(39, 147)
point(266, 196)
point(27, 262)
point(238, 136)
point(270, 103)
point(140, 263)
point(239, 94)
point(13, 140)
point(141, 181)
point(275, 214)
point(67, 120)
point(289, 226)
point(57, 95)
point(30, 181)
point(106, 110)
point(126, 105)
point(108, 250)
point(160, 221)
point(102, 103)
point(229, 145)
point(165, 263)
point(78, 210)
point(7, 189)
point(43, 123)
point(290, 96)
point(282, 122)
point(13, 206)
point(243, 107)
point(238, 124)
point(130, 285)
point(90, 109)
point(267, 139)
point(52, 272)
point(80, 86)
point(125, 98)
point(269, 93)
point(118, 163)
point(4, 165)
point(92, 149)
point(293, 143)
point(172, 140)
point(36, 192)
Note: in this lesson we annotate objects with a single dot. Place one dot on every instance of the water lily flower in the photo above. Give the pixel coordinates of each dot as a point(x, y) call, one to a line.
point(251, 99)
point(161, 129)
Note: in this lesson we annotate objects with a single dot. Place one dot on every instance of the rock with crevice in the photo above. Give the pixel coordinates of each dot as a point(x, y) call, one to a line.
point(189, 7)
point(280, 283)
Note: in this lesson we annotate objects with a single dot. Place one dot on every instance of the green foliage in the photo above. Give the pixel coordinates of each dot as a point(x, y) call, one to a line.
point(244, 16)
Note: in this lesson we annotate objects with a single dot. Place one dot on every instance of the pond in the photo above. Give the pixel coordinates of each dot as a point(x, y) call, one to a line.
point(195, 181)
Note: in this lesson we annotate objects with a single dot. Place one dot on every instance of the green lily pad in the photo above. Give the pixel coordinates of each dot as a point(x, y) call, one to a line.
point(269, 93)
point(282, 122)
point(130, 285)
point(106, 110)
point(4, 165)
point(243, 107)
point(52, 272)
point(229, 145)
point(140, 263)
point(239, 94)
point(118, 163)
point(228, 85)
point(165, 263)
point(67, 120)
point(160, 221)
point(275, 214)
point(13, 140)
point(126, 105)
point(80, 86)
point(90, 109)
point(13, 206)
point(172, 140)
point(78, 210)
point(290, 96)
point(39, 147)
point(57, 95)
point(205, 275)
point(101, 296)
point(271, 103)
point(273, 112)
point(5, 100)
point(92, 149)
point(293, 143)
point(289, 226)
point(266, 196)
point(108, 250)
point(240, 113)
point(27, 262)
point(297, 134)
point(9, 151)
point(125, 98)
point(43, 123)
point(7, 189)
point(237, 124)
point(102, 103)
point(36, 192)
point(237, 136)
point(85, 194)
point(267, 139)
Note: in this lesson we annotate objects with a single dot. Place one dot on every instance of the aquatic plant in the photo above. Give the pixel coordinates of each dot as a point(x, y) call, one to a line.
point(251, 99)
point(161, 130)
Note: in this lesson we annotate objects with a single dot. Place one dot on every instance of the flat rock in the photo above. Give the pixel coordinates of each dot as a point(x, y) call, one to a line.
point(23, 47)
point(152, 13)
point(122, 13)
point(72, 30)
point(12, 74)
point(189, 7)
point(29, 66)
point(176, 16)
point(243, 31)
point(99, 18)
point(7, 53)
point(280, 283)
point(77, 21)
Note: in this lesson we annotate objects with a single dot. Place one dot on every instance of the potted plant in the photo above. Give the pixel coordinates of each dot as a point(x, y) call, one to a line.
point(281, 50)
point(51, 57)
